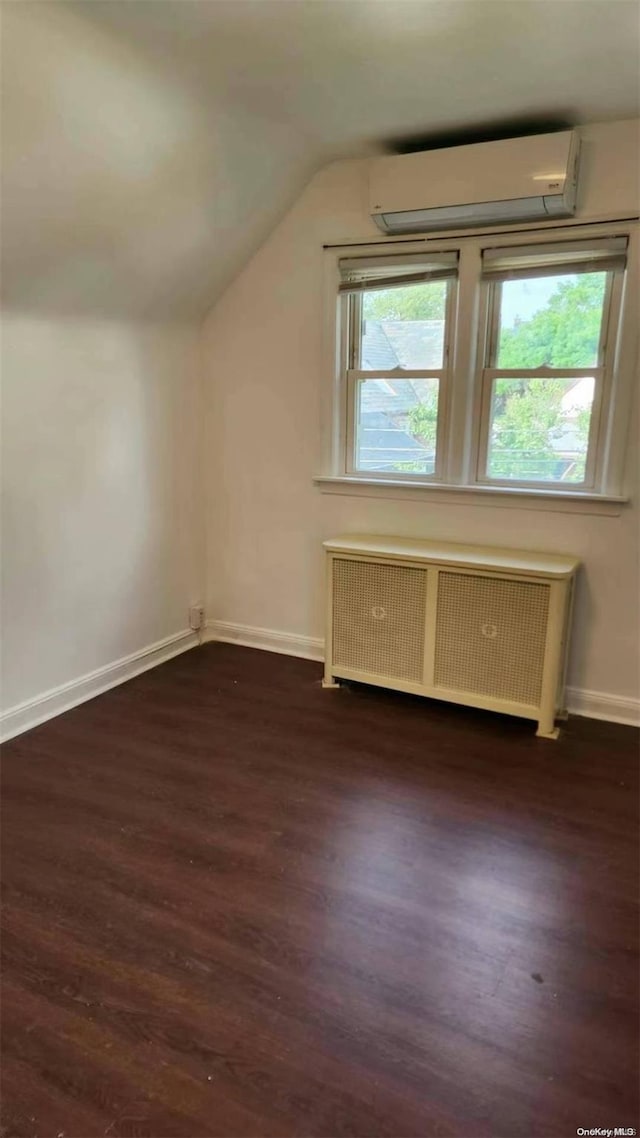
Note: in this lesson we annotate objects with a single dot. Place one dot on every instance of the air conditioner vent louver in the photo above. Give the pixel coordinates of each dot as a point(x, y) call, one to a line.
point(490, 636)
point(378, 618)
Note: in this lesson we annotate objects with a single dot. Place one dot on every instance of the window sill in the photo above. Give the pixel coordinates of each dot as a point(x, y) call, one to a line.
point(558, 501)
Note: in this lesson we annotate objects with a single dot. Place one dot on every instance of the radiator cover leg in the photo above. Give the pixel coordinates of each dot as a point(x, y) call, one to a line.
point(547, 732)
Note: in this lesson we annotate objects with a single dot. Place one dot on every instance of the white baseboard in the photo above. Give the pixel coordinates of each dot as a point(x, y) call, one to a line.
point(591, 704)
point(287, 644)
point(25, 715)
point(603, 705)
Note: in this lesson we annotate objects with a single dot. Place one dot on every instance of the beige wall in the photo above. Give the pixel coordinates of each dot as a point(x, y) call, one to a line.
point(125, 191)
point(109, 169)
point(103, 511)
point(101, 494)
point(130, 194)
point(264, 380)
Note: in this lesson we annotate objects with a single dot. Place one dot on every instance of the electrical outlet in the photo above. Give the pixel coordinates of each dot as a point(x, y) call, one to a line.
point(196, 617)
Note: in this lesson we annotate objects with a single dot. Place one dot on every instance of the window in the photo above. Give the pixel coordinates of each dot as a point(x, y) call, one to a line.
point(399, 324)
point(546, 361)
point(483, 365)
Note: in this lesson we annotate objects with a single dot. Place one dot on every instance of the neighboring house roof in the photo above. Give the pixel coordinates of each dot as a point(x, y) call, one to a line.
point(381, 449)
point(378, 352)
point(567, 439)
point(411, 344)
point(417, 343)
point(579, 395)
point(383, 441)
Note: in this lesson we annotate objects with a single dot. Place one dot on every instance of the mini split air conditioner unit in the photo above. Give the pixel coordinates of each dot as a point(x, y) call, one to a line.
point(514, 179)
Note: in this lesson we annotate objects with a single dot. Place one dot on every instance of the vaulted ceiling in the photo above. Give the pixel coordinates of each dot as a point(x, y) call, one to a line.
point(149, 145)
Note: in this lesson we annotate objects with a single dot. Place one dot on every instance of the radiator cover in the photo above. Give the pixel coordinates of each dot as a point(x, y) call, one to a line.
point(468, 624)
point(378, 618)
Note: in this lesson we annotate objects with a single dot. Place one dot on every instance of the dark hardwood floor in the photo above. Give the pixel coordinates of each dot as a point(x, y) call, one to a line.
point(239, 905)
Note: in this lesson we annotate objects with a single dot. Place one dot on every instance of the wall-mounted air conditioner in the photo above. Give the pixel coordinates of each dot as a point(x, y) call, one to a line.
point(467, 624)
point(514, 179)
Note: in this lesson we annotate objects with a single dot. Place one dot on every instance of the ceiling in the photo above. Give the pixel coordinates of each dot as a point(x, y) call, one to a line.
point(150, 145)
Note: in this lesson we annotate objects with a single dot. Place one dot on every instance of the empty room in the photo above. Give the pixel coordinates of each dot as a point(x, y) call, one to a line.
point(320, 588)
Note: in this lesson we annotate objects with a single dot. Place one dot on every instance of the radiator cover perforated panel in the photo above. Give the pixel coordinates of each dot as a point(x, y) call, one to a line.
point(490, 636)
point(379, 619)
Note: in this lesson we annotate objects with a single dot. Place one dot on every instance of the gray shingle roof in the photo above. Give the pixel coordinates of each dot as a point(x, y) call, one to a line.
point(415, 344)
point(377, 351)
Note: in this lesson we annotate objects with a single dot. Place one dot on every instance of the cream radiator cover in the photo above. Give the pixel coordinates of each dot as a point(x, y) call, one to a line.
point(468, 624)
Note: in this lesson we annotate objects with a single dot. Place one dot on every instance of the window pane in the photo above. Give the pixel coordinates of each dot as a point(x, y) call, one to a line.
point(551, 320)
point(396, 421)
point(539, 429)
point(403, 327)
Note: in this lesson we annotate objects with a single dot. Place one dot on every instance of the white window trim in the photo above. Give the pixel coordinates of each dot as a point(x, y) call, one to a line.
point(459, 477)
point(443, 374)
point(486, 380)
point(602, 373)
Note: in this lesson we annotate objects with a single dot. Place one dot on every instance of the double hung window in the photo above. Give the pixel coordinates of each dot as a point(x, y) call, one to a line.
point(400, 317)
point(482, 364)
point(547, 360)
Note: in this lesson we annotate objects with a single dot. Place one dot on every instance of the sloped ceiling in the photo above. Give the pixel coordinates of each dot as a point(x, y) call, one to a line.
point(148, 146)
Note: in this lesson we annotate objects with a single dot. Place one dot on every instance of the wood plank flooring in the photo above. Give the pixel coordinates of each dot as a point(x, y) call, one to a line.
point(239, 905)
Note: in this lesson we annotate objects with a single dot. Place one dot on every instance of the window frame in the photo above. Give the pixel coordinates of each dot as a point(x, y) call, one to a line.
point(356, 375)
point(461, 419)
point(488, 372)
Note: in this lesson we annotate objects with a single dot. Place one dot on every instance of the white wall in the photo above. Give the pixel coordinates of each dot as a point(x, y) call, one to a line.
point(125, 190)
point(102, 528)
point(129, 196)
point(264, 381)
point(108, 177)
